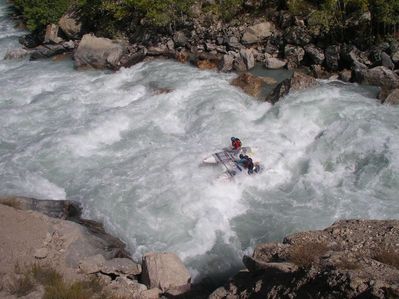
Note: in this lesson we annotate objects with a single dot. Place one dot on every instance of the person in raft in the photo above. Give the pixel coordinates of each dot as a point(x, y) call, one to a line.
point(246, 162)
point(235, 143)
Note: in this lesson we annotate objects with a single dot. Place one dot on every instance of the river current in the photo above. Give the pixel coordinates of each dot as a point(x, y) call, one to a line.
point(132, 155)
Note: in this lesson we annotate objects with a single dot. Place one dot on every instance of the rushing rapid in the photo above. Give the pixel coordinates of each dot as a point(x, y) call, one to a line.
point(128, 146)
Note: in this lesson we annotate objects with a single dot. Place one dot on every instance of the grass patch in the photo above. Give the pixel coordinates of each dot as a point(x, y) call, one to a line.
point(388, 256)
point(304, 255)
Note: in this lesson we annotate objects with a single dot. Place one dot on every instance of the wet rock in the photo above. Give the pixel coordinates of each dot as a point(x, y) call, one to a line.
point(92, 264)
point(274, 63)
point(315, 54)
point(297, 36)
point(51, 35)
point(300, 81)
point(294, 56)
point(279, 91)
point(248, 58)
point(393, 97)
point(332, 55)
point(378, 76)
point(30, 40)
point(98, 52)
point(166, 272)
point(129, 59)
point(227, 63)
point(71, 25)
point(345, 75)
point(257, 33)
point(18, 53)
point(251, 84)
point(182, 56)
point(387, 61)
point(48, 51)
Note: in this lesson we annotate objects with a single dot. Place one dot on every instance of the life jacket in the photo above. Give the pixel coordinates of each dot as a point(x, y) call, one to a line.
point(236, 143)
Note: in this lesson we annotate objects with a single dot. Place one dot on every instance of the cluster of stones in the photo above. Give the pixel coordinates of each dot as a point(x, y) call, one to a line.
point(283, 42)
point(350, 259)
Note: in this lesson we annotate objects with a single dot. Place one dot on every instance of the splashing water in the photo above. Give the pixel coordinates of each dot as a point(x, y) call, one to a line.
point(132, 156)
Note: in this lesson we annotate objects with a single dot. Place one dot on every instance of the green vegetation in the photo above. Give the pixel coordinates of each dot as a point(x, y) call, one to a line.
point(39, 13)
point(379, 17)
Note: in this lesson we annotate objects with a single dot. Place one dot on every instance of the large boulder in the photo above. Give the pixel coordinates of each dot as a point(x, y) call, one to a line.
point(393, 97)
point(251, 84)
point(387, 61)
point(248, 58)
point(257, 33)
point(274, 63)
point(71, 25)
point(98, 52)
point(378, 76)
point(166, 272)
point(51, 35)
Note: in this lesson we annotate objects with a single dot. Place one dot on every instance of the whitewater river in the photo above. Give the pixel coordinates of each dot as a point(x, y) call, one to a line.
point(132, 156)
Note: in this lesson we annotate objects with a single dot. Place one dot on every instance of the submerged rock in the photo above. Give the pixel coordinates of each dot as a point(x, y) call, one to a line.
point(251, 84)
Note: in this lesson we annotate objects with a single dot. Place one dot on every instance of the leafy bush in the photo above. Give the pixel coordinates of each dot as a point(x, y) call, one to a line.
point(39, 13)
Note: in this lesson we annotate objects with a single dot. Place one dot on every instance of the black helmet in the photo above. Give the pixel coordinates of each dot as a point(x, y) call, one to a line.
point(241, 156)
point(233, 138)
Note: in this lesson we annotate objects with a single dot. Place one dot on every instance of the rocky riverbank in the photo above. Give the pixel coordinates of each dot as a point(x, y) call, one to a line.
point(40, 234)
point(350, 259)
point(274, 38)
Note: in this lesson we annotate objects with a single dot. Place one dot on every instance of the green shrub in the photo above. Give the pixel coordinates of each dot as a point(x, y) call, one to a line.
point(39, 13)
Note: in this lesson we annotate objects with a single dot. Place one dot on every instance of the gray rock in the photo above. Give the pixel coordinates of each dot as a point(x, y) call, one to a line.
point(166, 272)
point(71, 25)
point(386, 61)
point(393, 97)
point(239, 65)
point(92, 264)
point(315, 54)
point(285, 19)
point(98, 52)
point(257, 33)
point(219, 293)
point(121, 266)
point(378, 76)
point(395, 57)
point(332, 55)
point(51, 35)
point(180, 39)
point(153, 293)
point(233, 42)
point(297, 35)
point(279, 91)
point(274, 63)
point(47, 51)
point(294, 55)
point(18, 53)
point(227, 63)
point(248, 57)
